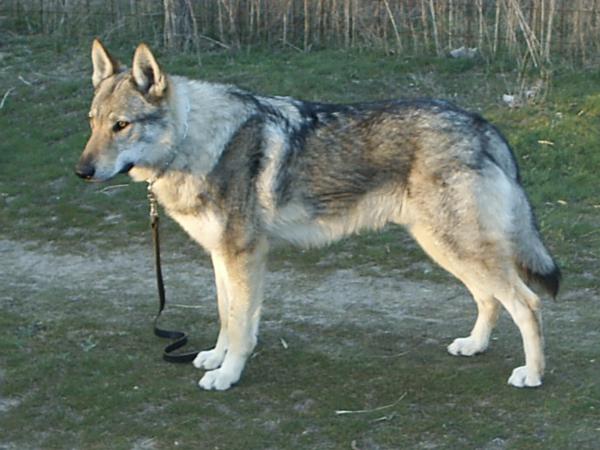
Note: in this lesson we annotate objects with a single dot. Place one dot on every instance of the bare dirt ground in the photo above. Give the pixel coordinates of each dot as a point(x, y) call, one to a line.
point(396, 317)
point(125, 278)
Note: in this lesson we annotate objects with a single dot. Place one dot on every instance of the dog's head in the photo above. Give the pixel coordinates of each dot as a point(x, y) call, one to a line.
point(129, 116)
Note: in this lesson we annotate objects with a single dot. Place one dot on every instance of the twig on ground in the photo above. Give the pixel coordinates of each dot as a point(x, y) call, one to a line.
point(147, 443)
point(179, 305)
point(384, 418)
point(590, 233)
point(341, 412)
point(284, 344)
point(28, 83)
point(395, 355)
point(5, 97)
point(113, 187)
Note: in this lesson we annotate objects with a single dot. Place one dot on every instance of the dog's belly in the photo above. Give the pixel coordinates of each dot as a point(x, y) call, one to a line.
point(294, 224)
point(312, 234)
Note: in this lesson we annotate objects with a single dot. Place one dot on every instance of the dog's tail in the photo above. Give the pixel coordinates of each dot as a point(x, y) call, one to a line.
point(534, 260)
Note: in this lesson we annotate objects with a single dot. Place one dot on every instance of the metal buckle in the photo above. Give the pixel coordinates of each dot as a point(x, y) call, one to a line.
point(153, 202)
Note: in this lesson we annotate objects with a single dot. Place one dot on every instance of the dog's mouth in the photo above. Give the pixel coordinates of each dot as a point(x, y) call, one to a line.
point(126, 168)
point(88, 173)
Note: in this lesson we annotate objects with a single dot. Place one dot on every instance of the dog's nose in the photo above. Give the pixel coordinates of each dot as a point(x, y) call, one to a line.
point(85, 171)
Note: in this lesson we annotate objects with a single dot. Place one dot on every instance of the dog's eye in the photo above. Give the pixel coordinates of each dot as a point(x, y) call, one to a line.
point(120, 125)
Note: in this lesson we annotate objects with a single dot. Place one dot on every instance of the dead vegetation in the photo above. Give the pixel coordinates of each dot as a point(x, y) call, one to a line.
point(535, 31)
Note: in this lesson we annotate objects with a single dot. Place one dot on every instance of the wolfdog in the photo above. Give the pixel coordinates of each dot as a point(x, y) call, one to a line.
point(238, 171)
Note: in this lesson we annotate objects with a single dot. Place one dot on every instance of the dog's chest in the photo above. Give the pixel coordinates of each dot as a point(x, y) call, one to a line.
point(205, 228)
point(186, 200)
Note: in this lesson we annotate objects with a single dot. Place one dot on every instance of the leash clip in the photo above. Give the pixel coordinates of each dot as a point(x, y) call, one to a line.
point(153, 203)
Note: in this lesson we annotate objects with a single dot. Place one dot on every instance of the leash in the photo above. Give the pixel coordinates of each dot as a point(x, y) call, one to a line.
point(179, 338)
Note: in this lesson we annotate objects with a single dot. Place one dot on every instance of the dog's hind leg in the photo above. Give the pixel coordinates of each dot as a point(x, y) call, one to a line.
point(488, 310)
point(211, 359)
point(524, 307)
point(487, 306)
point(493, 280)
point(507, 288)
point(244, 278)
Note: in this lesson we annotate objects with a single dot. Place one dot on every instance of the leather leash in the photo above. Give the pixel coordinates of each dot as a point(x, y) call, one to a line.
point(179, 338)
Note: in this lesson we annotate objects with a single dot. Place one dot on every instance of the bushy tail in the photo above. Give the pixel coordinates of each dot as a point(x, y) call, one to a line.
point(549, 281)
point(534, 260)
point(536, 263)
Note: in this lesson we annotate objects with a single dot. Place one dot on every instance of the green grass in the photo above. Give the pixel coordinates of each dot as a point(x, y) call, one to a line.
point(87, 374)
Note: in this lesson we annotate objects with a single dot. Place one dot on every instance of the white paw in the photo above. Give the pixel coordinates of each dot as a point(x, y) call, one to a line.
point(525, 377)
point(466, 347)
point(218, 379)
point(209, 360)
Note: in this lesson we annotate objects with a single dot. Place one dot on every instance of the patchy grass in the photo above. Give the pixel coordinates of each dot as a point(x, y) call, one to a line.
point(80, 369)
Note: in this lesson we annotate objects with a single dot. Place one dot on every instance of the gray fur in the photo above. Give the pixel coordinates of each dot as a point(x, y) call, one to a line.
point(238, 171)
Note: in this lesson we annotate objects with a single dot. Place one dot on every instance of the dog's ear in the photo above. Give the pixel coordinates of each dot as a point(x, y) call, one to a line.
point(146, 72)
point(104, 64)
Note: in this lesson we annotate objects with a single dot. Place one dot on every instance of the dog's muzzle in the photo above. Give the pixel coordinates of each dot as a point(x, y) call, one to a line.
point(85, 171)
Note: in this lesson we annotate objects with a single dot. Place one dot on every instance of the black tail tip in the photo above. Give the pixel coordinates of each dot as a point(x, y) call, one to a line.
point(550, 281)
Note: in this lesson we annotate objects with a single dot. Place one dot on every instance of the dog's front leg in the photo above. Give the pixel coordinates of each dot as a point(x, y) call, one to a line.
point(243, 276)
point(212, 359)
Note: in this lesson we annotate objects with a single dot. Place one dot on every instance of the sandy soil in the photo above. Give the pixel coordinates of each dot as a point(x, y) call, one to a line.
point(125, 277)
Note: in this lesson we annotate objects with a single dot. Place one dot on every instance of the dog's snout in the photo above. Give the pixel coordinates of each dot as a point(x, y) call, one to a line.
point(85, 171)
